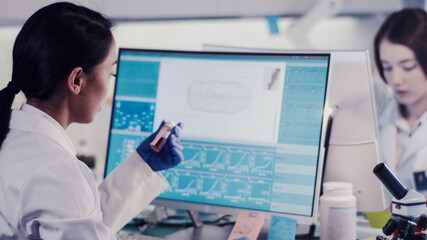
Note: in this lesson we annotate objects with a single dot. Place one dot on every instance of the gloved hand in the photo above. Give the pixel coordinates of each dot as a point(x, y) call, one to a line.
point(169, 156)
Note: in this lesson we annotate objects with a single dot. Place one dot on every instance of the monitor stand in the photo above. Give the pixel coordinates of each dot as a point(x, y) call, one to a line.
point(195, 218)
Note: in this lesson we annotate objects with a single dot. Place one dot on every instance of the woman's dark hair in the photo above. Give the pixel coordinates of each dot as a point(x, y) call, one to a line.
point(407, 27)
point(52, 42)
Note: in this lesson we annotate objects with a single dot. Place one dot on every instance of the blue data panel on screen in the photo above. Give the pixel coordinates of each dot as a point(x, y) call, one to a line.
point(137, 78)
point(243, 160)
point(252, 124)
point(133, 116)
point(124, 145)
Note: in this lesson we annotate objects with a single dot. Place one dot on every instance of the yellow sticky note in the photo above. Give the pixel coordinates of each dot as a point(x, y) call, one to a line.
point(378, 219)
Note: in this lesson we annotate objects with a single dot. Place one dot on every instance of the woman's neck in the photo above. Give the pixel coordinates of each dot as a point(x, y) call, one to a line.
point(53, 109)
point(412, 113)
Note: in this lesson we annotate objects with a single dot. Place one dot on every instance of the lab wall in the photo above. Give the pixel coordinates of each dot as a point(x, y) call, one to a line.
point(338, 33)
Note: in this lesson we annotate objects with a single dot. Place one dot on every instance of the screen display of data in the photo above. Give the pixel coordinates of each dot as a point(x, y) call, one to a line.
point(252, 124)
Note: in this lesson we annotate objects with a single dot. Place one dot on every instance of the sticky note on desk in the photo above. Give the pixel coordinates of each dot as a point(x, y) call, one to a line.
point(248, 224)
point(282, 228)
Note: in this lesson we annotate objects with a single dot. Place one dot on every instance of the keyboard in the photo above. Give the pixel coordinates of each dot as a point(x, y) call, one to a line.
point(128, 235)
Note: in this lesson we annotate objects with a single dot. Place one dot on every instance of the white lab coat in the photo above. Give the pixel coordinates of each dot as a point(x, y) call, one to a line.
point(47, 193)
point(414, 154)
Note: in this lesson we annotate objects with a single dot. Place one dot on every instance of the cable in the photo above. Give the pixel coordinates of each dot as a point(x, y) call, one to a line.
point(141, 222)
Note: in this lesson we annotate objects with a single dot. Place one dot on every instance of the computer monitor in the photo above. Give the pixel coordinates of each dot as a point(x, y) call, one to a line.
point(253, 132)
point(353, 144)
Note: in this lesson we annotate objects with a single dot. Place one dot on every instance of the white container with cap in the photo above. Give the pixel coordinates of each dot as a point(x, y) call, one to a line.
point(337, 211)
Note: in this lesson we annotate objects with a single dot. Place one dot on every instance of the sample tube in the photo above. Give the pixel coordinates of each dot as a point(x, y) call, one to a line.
point(162, 136)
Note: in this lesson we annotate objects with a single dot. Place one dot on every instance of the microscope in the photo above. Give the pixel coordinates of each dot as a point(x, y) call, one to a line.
point(408, 208)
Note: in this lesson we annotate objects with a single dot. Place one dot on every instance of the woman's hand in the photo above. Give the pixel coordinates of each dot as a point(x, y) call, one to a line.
point(169, 156)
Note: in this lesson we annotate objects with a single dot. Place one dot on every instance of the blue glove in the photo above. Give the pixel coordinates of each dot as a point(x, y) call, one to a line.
point(169, 156)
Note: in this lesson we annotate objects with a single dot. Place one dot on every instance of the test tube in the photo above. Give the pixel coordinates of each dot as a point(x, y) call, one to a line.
point(162, 136)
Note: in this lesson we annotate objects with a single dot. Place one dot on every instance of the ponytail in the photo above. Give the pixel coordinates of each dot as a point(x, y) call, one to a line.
point(52, 42)
point(7, 95)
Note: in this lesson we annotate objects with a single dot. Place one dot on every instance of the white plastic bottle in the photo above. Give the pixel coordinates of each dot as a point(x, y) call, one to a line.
point(337, 211)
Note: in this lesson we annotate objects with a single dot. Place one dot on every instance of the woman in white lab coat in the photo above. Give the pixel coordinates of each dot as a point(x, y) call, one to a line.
point(63, 59)
point(400, 49)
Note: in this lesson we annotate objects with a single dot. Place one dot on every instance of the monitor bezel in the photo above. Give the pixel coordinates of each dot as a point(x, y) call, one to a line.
point(177, 204)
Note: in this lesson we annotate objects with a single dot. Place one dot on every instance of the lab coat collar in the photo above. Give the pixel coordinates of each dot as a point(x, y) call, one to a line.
point(394, 116)
point(415, 142)
point(32, 119)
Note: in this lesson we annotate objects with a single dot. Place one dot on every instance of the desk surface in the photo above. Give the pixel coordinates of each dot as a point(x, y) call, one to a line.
point(211, 232)
point(177, 227)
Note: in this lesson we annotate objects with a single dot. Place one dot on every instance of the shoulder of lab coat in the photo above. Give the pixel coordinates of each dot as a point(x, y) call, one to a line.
point(58, 202)
point(128, 189)
point(48, 193)
point(414, 154)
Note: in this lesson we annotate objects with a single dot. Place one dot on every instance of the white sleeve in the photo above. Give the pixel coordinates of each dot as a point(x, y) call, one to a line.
point(57, 202)
point(127, 190)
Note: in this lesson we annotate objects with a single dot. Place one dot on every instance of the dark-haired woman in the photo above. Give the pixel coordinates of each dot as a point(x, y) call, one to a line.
point(63, 59)
point(401, 57)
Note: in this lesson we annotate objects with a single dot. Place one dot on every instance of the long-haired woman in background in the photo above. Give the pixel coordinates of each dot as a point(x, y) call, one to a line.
point(400, 49)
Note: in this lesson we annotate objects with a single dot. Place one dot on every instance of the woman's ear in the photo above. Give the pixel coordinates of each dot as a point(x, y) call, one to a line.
point(75, 80)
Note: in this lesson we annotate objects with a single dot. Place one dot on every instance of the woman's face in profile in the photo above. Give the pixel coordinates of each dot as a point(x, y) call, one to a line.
point(403, 73)
point(97, 86)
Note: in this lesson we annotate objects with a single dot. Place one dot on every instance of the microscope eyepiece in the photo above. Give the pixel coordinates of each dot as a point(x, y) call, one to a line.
point(390, 181)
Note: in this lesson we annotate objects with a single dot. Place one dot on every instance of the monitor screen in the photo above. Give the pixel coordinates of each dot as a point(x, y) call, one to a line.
point(253, 126)
point(353, 144)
